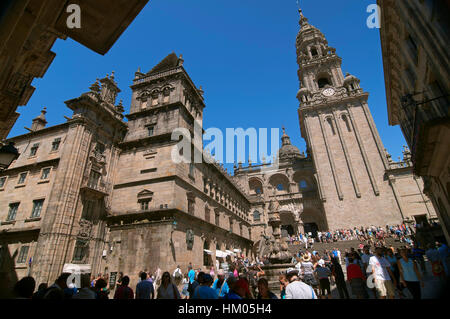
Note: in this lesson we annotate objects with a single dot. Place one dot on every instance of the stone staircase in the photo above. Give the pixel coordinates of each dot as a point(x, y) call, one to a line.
point(341, 245)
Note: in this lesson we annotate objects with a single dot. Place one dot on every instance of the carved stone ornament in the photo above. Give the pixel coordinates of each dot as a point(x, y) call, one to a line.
point(190, 239)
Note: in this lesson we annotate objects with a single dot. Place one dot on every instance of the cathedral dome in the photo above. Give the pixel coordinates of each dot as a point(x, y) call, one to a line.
point(287, 150)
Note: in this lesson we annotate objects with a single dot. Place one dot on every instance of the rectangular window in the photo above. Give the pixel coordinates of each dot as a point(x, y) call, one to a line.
point(34, 149)
point(80, 250)
point(55, 144)
point(13, 208)
point(22, 178)
point(45, 173)
point(151, 130)
point(37, 208)
point(22, 258)
point(2, 181)
point(94, 179)
point(88, 209)
point(145, 204)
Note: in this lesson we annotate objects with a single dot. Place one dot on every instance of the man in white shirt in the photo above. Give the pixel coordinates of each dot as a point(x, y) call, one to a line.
point(381, 272)
point(297, 289)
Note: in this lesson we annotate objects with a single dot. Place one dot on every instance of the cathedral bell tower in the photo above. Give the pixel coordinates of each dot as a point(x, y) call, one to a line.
point(339, 130)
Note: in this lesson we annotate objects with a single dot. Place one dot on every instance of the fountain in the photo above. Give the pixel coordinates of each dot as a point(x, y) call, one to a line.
point(279, 256)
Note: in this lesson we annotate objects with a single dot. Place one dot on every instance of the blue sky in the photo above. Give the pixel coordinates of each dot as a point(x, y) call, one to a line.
point(241, 52)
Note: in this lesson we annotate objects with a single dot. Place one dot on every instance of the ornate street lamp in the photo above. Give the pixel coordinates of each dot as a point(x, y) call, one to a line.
point(8, 153)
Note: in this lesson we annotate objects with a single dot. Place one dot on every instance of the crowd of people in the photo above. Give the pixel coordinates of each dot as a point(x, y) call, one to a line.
point(390, 272)
point(368, 235)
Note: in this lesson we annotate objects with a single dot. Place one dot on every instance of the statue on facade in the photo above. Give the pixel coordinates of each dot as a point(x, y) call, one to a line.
point(190, 239)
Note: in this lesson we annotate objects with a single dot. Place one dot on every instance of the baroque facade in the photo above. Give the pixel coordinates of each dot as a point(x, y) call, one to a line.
point(414, 42)
point(104, 192)
point(347, 178)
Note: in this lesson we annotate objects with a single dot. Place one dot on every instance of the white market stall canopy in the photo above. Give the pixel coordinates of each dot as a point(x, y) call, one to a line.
point(207, 251)
point(221, 254)
point(229, 252)
point(77, 268)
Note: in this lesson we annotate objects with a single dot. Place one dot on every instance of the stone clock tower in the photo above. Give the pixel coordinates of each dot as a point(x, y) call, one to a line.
point(348, 155)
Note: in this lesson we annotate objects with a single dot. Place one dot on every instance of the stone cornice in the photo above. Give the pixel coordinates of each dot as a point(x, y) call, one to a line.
point(333, 102)
point(170, 72)
point(37, 133)
point(9, 171)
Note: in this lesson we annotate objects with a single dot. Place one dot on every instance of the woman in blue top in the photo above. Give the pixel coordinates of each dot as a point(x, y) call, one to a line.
point(409, 274)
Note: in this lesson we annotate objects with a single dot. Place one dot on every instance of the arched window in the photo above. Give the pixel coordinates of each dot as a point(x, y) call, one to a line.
point(330, 122)
point(322, 82)
point(280, 187)
point(314, 52)
point(303, 184)
point(347, 124)
point(256, 216)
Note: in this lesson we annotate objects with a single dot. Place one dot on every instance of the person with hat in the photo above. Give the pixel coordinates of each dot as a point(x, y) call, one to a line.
point(204, 291)
point(307, 269)
point(323, 274)
point(220, 285)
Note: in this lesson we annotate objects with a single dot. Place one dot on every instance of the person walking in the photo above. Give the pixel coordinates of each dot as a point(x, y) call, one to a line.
point(123, 291)
point(167, 290)
point(144, 289)
point(296, 289)
point(356, 278)
point(338, 274)
point(410, 276)
point(204, 291)
point(185, 283)
point(220, 284)
point(307, 269)
point(384, 278)
point(323, 274)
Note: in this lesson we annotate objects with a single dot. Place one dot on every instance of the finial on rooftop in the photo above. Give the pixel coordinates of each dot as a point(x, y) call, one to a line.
point(112, 75)
point(303, 19)
point(180, 60)
point(95, 87)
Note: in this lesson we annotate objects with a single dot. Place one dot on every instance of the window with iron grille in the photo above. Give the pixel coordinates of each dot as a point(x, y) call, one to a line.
point(22, 178)
point(37, 208)
point(55, 144)
point(34, 149)
point(88, 209)
point(150, 130)
point(145, 204)
point(45, 173)
point(22, 258)
point(80, 251)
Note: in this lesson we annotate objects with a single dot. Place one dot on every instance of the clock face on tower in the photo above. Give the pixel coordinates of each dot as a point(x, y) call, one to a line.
point(328, 92)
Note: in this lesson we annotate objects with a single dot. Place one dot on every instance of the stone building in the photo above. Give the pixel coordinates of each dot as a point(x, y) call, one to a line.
point(103, 192)
point(28, 31)
point(414, 42)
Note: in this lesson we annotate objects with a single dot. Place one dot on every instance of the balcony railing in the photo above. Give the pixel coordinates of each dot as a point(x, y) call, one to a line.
point(96, 186)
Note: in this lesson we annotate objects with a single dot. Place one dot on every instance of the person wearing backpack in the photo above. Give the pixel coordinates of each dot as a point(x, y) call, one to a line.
point(123, 291)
